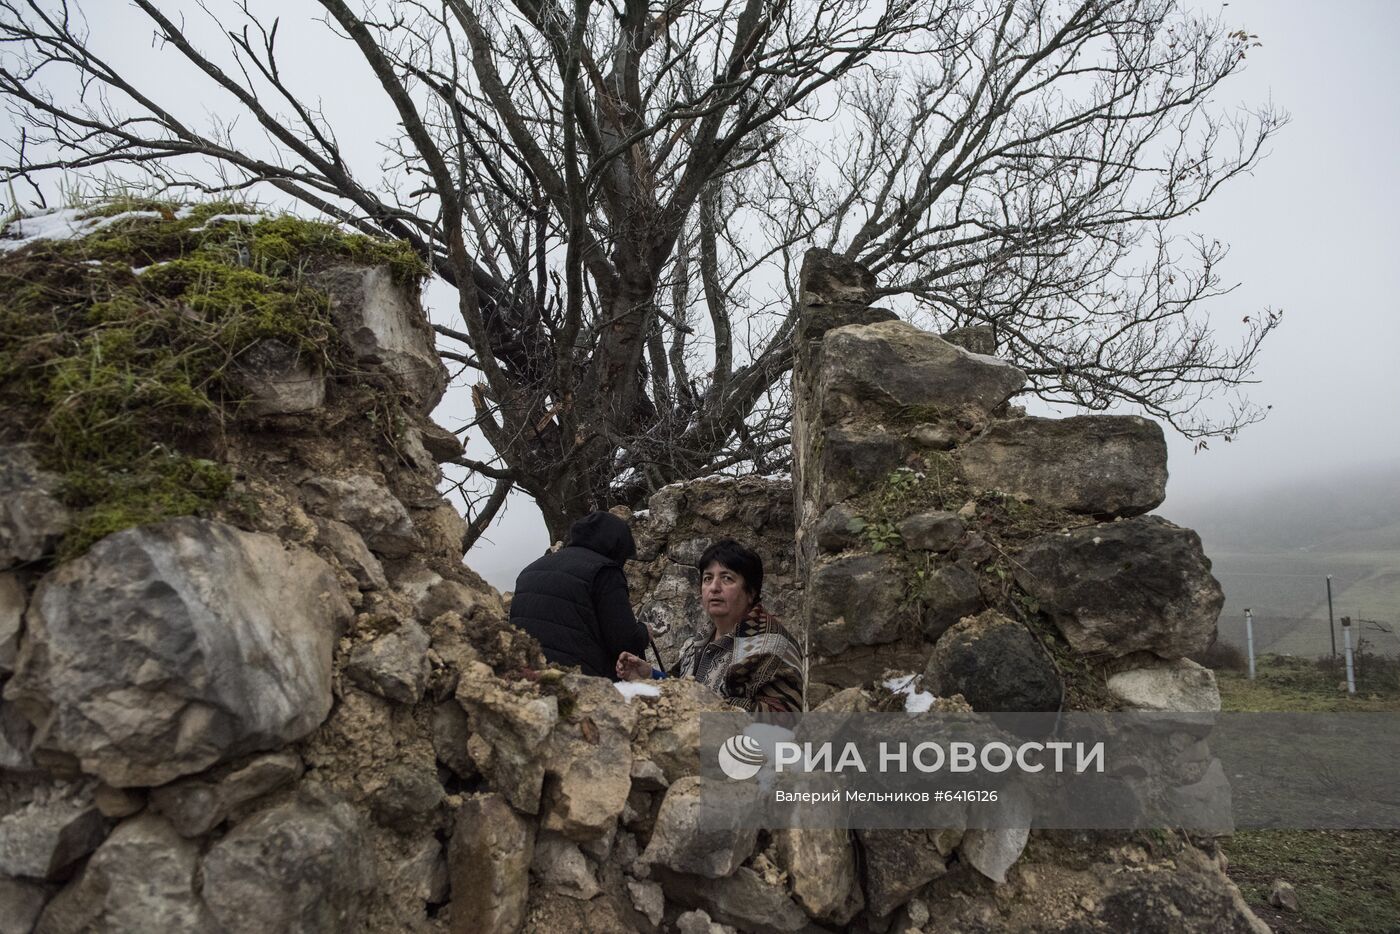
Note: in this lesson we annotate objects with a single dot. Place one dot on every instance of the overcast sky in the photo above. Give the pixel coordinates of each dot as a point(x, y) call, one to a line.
point(1314, 232)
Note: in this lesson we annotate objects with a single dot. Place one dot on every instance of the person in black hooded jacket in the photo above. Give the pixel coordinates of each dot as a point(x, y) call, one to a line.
point(575, 600)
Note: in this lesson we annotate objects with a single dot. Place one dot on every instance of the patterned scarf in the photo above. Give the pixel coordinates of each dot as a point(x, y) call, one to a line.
point(758, 667)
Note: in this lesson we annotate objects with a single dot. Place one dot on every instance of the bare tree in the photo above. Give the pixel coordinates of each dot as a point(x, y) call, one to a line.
point(619, 193)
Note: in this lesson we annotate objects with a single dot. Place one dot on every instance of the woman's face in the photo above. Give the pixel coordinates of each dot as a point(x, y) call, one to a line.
point(723, 593)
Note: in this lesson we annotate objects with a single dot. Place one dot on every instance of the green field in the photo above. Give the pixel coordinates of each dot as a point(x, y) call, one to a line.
point(1347, 881)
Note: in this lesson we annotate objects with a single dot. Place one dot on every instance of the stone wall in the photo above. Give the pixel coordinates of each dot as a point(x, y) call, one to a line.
point(930, 512)
point(298, 711)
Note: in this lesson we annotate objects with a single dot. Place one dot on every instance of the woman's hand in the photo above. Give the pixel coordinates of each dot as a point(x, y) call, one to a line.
point(632, 668)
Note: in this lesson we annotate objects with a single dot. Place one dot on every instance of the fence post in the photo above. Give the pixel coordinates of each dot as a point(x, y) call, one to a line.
point(1346, 643)
point(1331, 626)
point(1249, 639)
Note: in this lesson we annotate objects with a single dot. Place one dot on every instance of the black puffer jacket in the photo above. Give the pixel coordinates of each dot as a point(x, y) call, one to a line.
point(575, 601)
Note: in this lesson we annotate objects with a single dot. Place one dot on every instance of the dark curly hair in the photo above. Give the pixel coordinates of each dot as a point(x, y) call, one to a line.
point(740, 560)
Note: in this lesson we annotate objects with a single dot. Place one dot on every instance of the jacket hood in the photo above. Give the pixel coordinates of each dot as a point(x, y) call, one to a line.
point(604, 533)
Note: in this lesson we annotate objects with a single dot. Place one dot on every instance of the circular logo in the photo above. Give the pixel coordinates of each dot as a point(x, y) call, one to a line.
point(741, 757)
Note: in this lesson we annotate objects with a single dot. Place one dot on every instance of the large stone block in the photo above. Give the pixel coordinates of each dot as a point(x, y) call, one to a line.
point(140, 881)
point(828, 278)
point(946, 596)
point(367, 506)
point(57, 827)
point(892, 367)
point(589, 771)
point(821, 867)
point(510, 730)
point(277, 379)
point(1179, 686)
point(1101, 465)
point(303, 867)
point(170, 647)
point(997, 665)
point(697, 835)
point(197, 805)
point(858, 599)
point(1133, 585)
point(488, 863)
point(900, 862)
point(382, 322)
point(13, 600)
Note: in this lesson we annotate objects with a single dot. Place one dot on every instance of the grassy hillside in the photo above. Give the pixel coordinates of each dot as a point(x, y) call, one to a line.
point(1273, 549)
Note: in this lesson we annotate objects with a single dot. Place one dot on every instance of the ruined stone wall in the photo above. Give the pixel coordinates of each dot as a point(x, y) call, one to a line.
point(294, 711)
point(942, 531)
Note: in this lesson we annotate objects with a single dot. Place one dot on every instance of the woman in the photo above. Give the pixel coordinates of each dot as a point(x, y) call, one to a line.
point(744, 655)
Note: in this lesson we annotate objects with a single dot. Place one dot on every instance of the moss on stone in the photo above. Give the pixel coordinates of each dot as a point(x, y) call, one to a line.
point(116, 348)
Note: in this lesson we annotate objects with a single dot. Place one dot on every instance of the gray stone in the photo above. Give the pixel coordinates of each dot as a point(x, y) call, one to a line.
point(648, 899)
point(441, 444)
point(433, 595)
point(857, 600)
point(382, 322)
point(946, 596)
point(897, 864)
point(893, 367)
point(31, 519)
point(839, 529)
point(1282, 895)
point(12, 602)
point(510, 727)
point(997, 665)
point(688, 551)
point(442, 530)
point(697, 921)
point(393, 665)
point(354, 555)
point(977, 338)
point(589, 762)
point(672, 607)
point(560, 865)
point(852, 459)
point(934, 436)
point(931, 531)
point(1101, 465)
point(423, 872)
point(1179, 686)
point(821, 867)
point(196, 806)
point(16, 737)
point(741, 899)
point(1133, 585)
point(276, 379)
point(140, 881)
point(993, 851)
point(20, 905)
point(298, 868)
point(828, 278)
point(366, 505)
point(489, 867)
point(672, 743)
point(451, 732)
point(709, 839)
point(408, 798)
point(170, 647)
point(116, 803)
point(57, 827)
